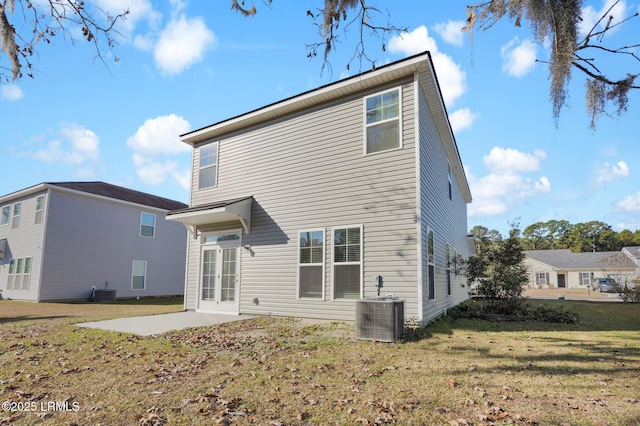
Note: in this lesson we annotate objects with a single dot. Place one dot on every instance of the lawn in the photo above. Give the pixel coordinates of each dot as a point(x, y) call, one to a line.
point(275, 371)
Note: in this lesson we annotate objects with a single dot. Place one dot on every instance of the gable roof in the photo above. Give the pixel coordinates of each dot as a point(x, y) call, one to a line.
point(566, 259)
point(420, 63)
point(633, 251)
point(102, 189)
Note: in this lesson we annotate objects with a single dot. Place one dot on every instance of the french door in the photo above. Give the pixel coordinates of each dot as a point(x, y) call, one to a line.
point(220, 275)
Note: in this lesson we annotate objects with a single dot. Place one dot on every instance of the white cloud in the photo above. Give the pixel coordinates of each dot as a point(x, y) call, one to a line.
point(160, 135)
point(156, 146)
point(182, 44)
point(501, 160)
point(450, 76)
point(505, 186)
point(11, 92)
point(630, 203)
point(77, 146)
point(462, 119)
point(451, 32)
point(611, 172)
point(590, 16)
point(518, 57)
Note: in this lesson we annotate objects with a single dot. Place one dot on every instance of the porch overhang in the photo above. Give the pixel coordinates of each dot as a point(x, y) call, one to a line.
point(238, 209)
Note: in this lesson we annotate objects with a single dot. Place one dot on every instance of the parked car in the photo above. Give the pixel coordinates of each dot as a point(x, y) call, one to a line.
point(604, 285)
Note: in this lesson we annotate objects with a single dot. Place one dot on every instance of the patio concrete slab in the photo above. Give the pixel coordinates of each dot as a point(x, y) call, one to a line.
point(158, 324)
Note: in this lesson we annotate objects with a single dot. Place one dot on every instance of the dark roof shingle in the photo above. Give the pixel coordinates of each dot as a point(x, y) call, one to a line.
point(120, 193)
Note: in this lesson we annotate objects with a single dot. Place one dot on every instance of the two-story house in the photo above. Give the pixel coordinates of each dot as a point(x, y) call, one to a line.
point(58, 240)
point(351, 190)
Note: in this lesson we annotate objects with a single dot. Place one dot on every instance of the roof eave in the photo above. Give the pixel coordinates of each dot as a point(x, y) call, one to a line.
point(308, 99)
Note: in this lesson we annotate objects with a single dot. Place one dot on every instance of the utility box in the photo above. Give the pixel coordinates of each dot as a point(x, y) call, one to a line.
point(104, 295)
point(380, 319)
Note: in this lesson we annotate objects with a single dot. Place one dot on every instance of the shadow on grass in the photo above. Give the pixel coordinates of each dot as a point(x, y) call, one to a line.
point(31, 318)
point(145, 301)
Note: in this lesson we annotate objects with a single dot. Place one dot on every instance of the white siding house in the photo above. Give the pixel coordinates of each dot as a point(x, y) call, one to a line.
point(564, 269)
point(58, 240)
point(302, 207)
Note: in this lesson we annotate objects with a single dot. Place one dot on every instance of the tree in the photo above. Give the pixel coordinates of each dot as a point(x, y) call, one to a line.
point(557, 22)
point(25, 24)
point(41, 22)
point(500, 274)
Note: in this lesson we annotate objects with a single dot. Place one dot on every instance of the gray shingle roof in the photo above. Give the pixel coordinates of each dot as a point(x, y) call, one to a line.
point(634, 251)
point(566, 259)
point(119, 193)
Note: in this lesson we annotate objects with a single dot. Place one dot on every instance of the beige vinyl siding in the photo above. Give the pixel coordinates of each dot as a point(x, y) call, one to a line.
point(22, 242)
point(308, 171)
point(447, 218)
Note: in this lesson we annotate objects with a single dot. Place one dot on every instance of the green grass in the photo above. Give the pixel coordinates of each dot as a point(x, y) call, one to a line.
point(280, 371)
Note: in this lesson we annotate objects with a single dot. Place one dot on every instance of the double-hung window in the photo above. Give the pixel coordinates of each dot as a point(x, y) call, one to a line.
point(311, 264)
point(138, 275)
point(431, 265)
point(542, 278)
point(585, 278)
point(11, 276)
point(382, 128)
point(15, 220)
point(208, 166)
point(449, 266)
point(4, 219)
point(39, 209)
point(347, 262)
point(147, 224)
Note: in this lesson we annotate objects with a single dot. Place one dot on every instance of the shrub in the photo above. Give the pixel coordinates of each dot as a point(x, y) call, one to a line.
point(630, 293)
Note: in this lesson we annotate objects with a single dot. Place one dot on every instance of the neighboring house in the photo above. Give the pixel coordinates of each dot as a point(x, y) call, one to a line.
point(57, 240)
point(565, 269)
point(303, 206)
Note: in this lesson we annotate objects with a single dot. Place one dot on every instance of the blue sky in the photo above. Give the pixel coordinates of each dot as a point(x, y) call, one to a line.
point(187, 64)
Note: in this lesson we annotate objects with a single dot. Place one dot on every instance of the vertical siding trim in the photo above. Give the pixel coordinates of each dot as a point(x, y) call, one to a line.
point(416, 130)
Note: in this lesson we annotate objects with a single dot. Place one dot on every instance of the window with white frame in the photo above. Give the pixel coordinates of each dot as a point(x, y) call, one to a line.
point(311, 263)
point(26, 274)
point(139, 275)
point(542, 278)
point(585, 278)
point(208, 166)
point(431, 264)
point(15, 220)
point(17, 279)
point(347, 262)
point(147, 224)
point(449, 181)
point(11, 275)
point(4, 219)
point(39, 209)
point(449, 265)
point(382, 121)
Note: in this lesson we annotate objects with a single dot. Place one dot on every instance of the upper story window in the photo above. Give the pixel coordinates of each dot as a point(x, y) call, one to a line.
point(449, 179)
point(15, 221)
point(4, 219)
point(382, 122)
point(39, 209)
point(208, 168)
point(147, 224)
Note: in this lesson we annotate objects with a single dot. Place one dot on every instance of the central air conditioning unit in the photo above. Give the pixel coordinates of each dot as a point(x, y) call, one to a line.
point(104, 295)
point(380, 319)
